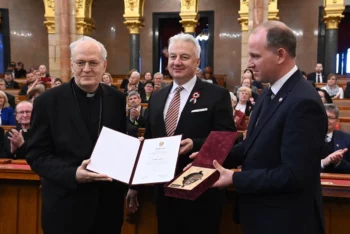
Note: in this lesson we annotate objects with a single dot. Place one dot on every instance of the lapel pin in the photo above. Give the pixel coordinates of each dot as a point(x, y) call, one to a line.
point(280, 100)
point(337, 145)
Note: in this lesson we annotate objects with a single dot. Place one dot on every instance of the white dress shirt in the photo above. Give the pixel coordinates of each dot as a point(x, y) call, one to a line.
point(241, 107)
point(278, 84)
point(184, 95)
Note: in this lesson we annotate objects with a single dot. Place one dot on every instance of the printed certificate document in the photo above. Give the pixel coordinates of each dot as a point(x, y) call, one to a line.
point(126, 159)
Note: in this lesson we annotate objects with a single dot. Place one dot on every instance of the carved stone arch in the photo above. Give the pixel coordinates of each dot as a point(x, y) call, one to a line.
point(84, 22)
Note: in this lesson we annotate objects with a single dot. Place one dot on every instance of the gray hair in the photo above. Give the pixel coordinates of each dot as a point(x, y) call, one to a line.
point(86, 38)
point(331, 107)
point(2, 80)
point(23, 102)
point(138, 74)
point(134, 93)
point(158, 73)
point(186, 38)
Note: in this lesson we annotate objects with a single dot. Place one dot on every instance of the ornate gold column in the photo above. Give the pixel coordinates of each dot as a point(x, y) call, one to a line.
point(273, 10)
point(189, 15)
point(333, 13)
point(84, 22)
point(133, 15)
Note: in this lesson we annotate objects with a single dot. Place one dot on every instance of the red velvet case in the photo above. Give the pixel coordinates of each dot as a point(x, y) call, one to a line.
point(216, 146)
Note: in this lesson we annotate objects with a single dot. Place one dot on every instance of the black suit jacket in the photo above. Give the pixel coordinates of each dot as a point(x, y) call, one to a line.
point(58, 144)
point(312, 77)
point(279, 185)
point(194, 125)
point(341, 141)
point(11, 100)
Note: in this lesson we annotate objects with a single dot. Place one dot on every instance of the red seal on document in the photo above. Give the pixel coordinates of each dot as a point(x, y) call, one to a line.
point(194, 98)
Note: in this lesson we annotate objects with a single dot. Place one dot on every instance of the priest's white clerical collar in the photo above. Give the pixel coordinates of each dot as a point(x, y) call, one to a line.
point(90, 94)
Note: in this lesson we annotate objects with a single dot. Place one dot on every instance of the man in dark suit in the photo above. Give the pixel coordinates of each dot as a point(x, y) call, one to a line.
point(337, 143)
point(136, 117)
point(317, 76)
point(279, 186)
point(192, 108)
point(65, 125)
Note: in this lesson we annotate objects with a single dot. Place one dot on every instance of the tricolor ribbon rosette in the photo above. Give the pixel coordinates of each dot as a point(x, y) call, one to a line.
point(194, 98)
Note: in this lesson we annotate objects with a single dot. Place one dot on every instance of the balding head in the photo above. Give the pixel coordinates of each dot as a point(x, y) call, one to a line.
point(134, 78)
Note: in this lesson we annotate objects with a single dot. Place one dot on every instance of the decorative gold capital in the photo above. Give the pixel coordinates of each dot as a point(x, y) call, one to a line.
point(273, 10)
point(84, 23)
point(84, 26)
point(333, 13)
point(133, 15)
point(50, 16)
point(189, 15)
point(244, 15)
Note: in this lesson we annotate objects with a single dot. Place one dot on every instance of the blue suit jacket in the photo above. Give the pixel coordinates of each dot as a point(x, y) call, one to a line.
point(7, 116)
point(341, 141)
point(279, 185)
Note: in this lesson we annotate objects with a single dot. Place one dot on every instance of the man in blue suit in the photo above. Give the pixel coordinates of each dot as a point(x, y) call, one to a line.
point(279, 186)
point(336, 145)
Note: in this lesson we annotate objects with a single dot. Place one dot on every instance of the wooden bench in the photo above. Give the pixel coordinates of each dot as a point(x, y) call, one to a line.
point(8, 127)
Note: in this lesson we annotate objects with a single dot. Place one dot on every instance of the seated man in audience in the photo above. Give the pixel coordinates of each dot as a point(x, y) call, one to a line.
point(10, 98)
point(136, 114)
point(134, 83)
point(44, 77)
point(317, 76)
point(16, 139)
point(208, 75)
point(158, 81)
point(31, 77)
point(10, 83)
point(336, 146)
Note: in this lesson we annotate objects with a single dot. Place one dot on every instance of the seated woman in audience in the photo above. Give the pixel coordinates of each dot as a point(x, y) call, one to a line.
point(147, 91)
point(244, 105)
point(332, 88)
point(6, 112)
point(238, 116)
point(324, 96)
point(57, 82)
point(248, 73)
point(199, 73)
point(108, 80)
point(148, 77)
point(126, 80)
point(247, 82)
point(16, 139)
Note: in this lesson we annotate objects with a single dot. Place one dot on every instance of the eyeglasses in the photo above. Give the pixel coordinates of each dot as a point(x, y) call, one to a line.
point(81, 64)
point(22, 112)
point(331, 117)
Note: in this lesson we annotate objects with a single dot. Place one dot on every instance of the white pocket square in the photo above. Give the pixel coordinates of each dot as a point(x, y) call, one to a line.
point(199, 110)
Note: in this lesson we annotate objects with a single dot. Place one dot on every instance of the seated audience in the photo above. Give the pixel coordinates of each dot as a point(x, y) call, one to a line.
point(238, 116)
point(10, 82)
point(332, 88)
point(305, 76)
point(247, 82)
point(44, 76)
point(158, 81)
point(6, 112)
point(248, 73)
point(208, 75)
point(57, 82)
point(2, 142)
point(134, 83)
point(20, 72)
point(317, 76)
point(324, 96)
point(244, 105)
point(108, 80)
point(34, 91)
point(337, 144)
point(347, 90)
point(199, 73)
point(31, 77)
point(148, 77)
point(126, 80)
point(11, 99)
point(147, 91)
point(136, 114)
point(16, 139)
point(12, 69)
